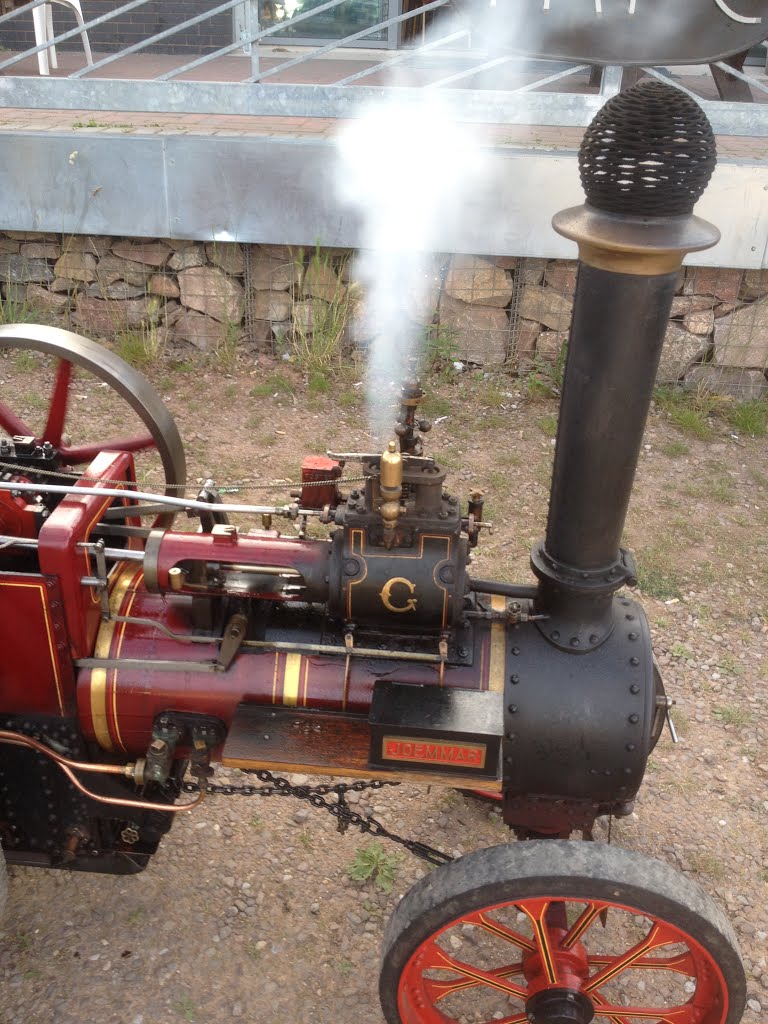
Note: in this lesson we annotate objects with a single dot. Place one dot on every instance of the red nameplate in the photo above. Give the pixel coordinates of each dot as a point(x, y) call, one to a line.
point(459, 755)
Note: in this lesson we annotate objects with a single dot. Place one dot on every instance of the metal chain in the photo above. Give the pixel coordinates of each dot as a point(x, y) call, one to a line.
point(275, 785)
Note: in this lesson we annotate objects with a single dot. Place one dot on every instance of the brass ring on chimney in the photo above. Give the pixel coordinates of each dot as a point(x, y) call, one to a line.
point(644, 246)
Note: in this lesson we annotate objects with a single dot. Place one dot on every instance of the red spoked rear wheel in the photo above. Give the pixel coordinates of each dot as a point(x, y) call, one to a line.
point(557, 932)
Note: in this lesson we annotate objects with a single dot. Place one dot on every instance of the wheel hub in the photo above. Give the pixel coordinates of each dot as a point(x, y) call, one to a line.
point(559, 1006)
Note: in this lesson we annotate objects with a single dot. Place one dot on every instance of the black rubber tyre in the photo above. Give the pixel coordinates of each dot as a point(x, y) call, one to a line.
point(519, 876)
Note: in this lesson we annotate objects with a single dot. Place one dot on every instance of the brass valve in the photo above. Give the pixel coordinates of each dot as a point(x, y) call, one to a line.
point(391, 489)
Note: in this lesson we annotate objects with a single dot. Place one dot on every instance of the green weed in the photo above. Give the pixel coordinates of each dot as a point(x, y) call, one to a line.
point(678, 650)
point(546, 378)
point(184, 1006)
point(491, 396)
point(708, 864)
point(674, 449)
point(226, 350)
point(721, 489)
point(689, 411)
point(20, 311)
point(376, 864)
point(318, 383)
point(731, 665)
point(441, 350)
point(749, 417)
point(25, 361)
point(274, 385)
point(317, 340)
point(434, 405)
point(548, 424)
point(33, 400)
point(538, 387)
point(348, 399)
point(141, 346)
point(730, 714)
point(656, 576)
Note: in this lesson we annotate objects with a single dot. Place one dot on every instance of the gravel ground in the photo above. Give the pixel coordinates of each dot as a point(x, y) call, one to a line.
point(247, 912)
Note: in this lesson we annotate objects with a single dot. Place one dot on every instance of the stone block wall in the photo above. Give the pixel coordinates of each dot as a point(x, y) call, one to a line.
point(485, 311)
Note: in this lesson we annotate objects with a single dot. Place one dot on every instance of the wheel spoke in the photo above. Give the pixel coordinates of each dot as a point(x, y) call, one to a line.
point(441, 989)
point(683, 963)
point(57, 411)
point(585, 919)
point(536, 911)
point(658, 935)
point(441, 961)
point(496, 928)
point(79, 454)
point(600, 1001)
point(11, 423)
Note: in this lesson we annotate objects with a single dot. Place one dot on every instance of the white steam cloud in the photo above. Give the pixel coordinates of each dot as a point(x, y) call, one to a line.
point(407, 169)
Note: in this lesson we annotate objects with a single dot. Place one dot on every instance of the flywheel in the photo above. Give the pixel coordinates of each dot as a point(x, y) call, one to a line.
point(71, 413)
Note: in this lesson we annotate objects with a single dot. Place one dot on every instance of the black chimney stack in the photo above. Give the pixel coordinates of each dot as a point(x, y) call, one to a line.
point(645, 161)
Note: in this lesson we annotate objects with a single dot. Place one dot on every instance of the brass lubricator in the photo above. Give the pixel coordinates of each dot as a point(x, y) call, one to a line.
point(391, 489)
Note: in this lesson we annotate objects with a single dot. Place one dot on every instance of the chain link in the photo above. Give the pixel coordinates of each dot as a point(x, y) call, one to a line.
point(236, 485)
point(276, 785)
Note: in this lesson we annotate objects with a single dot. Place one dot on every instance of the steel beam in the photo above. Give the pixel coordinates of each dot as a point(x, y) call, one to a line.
point(281, 190)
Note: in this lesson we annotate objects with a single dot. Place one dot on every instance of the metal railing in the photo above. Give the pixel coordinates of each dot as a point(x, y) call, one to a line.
point(482, 88)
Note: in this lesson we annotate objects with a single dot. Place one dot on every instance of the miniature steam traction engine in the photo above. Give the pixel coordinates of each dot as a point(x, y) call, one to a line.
point(132, 651)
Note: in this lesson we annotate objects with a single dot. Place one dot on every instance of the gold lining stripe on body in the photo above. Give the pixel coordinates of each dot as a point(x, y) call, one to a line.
point(291, 679)
point(118, 648)
point(102, 649)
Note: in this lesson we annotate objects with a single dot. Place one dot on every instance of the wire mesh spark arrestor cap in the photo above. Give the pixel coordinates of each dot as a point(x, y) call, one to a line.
point(649, 152)
point(645, 160)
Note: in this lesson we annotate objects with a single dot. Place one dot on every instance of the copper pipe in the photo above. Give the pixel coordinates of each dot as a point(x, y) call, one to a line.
point(67, 766)
point(81, 766)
